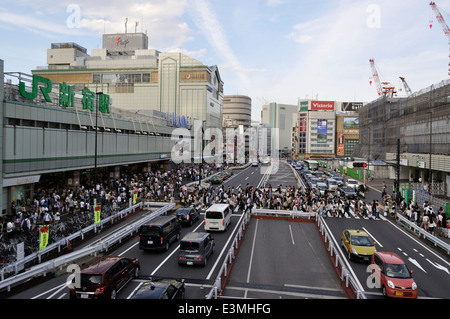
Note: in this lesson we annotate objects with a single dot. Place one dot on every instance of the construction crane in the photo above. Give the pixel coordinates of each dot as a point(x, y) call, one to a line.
point(441, 20)
point(407, 88)
point(383, 88)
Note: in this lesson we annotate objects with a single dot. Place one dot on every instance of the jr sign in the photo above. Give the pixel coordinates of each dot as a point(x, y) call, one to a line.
point(66, 95)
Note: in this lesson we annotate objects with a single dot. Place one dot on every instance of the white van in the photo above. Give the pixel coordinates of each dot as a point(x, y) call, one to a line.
point(332, 184)
point(217, 217)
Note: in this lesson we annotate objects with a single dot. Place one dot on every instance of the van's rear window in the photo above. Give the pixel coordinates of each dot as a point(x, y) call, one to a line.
point(186, 245)
point(149, 231)
point(213, 215)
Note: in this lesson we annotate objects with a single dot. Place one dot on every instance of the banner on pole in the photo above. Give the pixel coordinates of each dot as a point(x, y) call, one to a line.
point(43, 238)
point(97, 212)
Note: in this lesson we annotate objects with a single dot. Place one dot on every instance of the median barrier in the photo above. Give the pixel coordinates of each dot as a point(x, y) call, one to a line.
point(349, 282)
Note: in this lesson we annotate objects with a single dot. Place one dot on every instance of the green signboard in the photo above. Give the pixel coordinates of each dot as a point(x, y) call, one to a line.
point(66, 95)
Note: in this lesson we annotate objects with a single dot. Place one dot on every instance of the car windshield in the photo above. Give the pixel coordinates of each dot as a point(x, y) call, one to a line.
point(90, 280)
point(361, 241)
point(397, 271)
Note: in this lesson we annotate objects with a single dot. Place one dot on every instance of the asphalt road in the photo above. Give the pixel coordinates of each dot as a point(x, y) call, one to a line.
point(431, 268)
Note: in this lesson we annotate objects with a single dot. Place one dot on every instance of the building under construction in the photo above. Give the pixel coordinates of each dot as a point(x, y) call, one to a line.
point(421, 122)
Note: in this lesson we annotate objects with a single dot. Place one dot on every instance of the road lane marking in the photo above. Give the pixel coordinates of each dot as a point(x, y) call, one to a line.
point(46, 292)
point(251, 257)
point(292, 236)
point(378, 243)
point(225, 246)
point(170, 255)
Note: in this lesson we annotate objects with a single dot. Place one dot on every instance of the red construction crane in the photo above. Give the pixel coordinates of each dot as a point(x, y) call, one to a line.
point(441, 20)
point(383, 88)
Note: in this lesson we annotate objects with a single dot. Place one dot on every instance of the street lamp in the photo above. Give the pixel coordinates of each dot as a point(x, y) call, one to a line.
point(96, 134)
point(201, 154)
point(431, 148)
point(96, 131)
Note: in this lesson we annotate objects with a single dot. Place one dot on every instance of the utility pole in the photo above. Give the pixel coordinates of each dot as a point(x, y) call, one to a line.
point(397, 181)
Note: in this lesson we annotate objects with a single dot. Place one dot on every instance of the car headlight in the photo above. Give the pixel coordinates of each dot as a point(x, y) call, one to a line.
point(414, 285)
point(354, 251)
point(390, 284)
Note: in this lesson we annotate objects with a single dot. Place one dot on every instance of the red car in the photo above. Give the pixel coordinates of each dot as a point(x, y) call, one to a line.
point(393, 276)
point(103, 277)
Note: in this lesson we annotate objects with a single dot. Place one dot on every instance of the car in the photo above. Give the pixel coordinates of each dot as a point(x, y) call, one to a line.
point(160, 289)
point(322, 187)
point(339, 179)
point(347, 191)
point(159, 233)
point(216, 179)
point(352, 183)
point(255, 163)
point(313, 181)
point(103, 277)
point(187, 215)
point(332, 184)
point(217, 217)
point(393, 276)
point(358, 245)
point(195, 249)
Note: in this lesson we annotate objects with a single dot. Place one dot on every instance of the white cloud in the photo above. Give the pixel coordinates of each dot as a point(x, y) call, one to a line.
point(208, 24)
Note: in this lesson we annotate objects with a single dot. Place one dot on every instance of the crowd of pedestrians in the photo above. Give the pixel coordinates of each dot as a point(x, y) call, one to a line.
point(434, 222)
point(55, 200)
point(52, 200)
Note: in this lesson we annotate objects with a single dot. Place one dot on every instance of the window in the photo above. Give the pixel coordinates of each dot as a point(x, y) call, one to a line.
point(169, 293)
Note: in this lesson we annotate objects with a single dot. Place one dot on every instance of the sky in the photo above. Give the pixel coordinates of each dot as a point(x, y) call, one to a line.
point(270, 50)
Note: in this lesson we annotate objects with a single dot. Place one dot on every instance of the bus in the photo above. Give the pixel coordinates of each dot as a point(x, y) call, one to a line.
point(311, 165)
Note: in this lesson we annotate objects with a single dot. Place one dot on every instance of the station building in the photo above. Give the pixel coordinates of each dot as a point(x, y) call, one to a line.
point(140, 79)
point(109, 111)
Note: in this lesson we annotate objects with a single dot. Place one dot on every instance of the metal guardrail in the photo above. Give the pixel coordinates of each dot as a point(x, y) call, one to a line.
point(93, 249)
point(423, 233)
point(340, 261)
point(283, 213)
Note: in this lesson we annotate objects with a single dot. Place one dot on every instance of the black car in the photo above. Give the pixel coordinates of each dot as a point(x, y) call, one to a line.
point(187, 215)
point(347, 191)
point(160, 289)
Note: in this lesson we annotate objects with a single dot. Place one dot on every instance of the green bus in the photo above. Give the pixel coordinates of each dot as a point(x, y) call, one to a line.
point(311, 165)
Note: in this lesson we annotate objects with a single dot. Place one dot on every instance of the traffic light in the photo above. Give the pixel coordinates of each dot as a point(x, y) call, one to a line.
point(359, 164)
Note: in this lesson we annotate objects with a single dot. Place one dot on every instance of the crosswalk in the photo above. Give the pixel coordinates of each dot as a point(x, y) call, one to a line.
point(356, 215)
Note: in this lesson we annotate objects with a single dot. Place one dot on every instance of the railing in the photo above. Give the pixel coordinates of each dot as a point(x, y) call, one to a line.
point(42, 268)
point(421, 232)
point(282, 213)
point(340, 262)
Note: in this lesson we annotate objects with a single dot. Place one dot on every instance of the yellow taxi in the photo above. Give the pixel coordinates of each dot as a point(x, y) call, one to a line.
point(358, 245)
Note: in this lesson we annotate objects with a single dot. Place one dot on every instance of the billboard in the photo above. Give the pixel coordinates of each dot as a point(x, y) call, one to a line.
point(351, 123)
point(123, 42)
point(341, 150)
point(322, 105)
point(351, 106)
point(322, 127)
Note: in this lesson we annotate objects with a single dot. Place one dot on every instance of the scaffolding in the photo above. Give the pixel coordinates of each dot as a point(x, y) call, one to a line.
point(385, 120)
